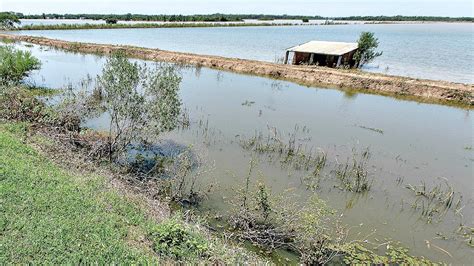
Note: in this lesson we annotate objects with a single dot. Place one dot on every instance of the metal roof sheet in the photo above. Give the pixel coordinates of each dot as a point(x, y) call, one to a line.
point(321, 47)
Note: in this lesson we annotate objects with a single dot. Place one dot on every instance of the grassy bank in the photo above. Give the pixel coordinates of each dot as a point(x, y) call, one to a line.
point(145, 25)
point(50, 215)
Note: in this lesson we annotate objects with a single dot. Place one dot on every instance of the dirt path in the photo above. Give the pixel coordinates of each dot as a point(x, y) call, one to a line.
point(443, 92)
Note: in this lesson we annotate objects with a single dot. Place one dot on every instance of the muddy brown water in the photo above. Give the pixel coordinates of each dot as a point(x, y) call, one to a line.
point(410, 143)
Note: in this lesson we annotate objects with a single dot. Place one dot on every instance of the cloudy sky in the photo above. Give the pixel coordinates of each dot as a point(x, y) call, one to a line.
point(301, 7)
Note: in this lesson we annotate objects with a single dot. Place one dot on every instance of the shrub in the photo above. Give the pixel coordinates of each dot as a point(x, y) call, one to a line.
point(19, 105)
point(272, 223)
point(173, 239)
point(111, 21)
point(366, 52)
point(8, 20)
point(142, 102)
point(16, 65)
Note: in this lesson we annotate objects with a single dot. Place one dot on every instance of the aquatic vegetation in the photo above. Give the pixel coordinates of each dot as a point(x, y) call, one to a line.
point(273, 223)
point(434, 202)
point(248, 103)
point(356, 254)
point(354, 175)
point(372, 129)
point(290, 153)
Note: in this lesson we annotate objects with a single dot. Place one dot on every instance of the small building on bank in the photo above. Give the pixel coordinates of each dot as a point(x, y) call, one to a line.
point(330, 54)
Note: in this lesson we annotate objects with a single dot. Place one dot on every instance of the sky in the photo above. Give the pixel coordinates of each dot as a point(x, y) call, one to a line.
point(294, 7)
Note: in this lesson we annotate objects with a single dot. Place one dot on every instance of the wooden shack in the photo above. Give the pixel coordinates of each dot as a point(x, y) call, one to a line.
point(330, 54)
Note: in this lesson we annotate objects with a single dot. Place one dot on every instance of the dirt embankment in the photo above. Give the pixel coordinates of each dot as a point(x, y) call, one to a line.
point(418, 89)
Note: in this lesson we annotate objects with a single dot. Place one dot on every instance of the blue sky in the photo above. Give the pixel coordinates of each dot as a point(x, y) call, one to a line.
point(302, 7)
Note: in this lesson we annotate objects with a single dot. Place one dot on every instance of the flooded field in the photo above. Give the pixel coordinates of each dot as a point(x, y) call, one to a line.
point(428, 49)
point(406, 149)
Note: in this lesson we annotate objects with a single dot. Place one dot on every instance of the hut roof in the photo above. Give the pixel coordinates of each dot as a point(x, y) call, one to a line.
point(321, 47)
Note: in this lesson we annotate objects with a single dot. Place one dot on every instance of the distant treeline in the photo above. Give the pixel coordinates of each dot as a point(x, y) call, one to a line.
point(235, 17)
point(405, 18)
point(167, 18)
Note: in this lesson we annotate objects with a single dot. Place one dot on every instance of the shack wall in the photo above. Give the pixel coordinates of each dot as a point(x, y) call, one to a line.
point(301, 58)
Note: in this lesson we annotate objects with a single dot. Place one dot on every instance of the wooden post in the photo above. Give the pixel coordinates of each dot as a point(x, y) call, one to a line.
point(311, 59)
point(339, 59)
point(286, 57)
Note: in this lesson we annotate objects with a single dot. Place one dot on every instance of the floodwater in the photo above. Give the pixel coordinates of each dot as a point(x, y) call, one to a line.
point(414, 143)
point(438, 51)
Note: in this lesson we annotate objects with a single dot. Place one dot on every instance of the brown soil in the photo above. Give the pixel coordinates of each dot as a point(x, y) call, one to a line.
point(355, 80)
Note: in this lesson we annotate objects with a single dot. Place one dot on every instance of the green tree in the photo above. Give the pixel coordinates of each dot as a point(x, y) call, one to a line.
point(8, 20)
point(367, 49)
point(16, 65)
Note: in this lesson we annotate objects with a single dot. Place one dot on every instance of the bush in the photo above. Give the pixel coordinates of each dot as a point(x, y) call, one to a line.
point(111, 21)
point(366, 52)
point(16, 65)
point(142, 102)
point(8, 20)
point(173, 239)
point(19, 105)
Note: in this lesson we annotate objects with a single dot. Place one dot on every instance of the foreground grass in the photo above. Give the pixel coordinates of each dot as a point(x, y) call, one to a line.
point(50, 215)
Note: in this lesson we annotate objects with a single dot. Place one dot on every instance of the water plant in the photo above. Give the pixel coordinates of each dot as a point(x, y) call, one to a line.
point(289, 151)
point(378, 130)
point(434, 202)
point(353, 174)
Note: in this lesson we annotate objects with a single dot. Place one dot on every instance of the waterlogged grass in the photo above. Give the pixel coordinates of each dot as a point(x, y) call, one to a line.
point(51, 216)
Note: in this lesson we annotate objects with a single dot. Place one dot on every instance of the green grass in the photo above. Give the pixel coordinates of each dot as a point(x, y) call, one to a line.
point(49, 216)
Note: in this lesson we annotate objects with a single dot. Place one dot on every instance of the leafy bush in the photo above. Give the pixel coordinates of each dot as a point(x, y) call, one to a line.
point(366, 52)
point(173, 239)
point(142, 101)
point(111, 21)
point(16, 65)
point(8, 20)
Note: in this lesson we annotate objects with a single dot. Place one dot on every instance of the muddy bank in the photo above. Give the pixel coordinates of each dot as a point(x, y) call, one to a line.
point(352, 80)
